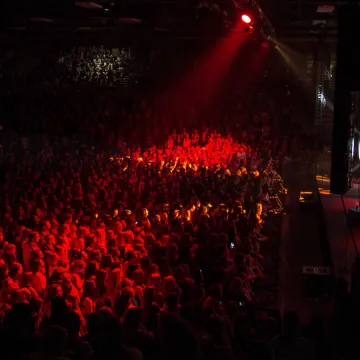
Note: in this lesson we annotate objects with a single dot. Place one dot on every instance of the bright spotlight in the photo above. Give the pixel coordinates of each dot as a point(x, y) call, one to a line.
point(246, 19)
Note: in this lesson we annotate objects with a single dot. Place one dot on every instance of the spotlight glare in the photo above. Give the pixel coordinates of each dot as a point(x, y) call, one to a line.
point(246, 19)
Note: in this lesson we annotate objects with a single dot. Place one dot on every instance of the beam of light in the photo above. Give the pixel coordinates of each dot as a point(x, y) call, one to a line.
point(294, 61)
point(246, 19)
point(199, 86)
point(291, 58)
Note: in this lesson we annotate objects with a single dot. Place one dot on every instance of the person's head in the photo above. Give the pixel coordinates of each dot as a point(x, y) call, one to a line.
point(74, 327)
point(55, 341)
point(94, 323)
point(126, 282)
point(9, 254)
point(138, 277)
point(155, 280)
point(33, 237)
point(59, 307)
point(112, 337)
point(53, 291)
point(145, 263)
point(89, 288)
point(38, 266)
point(169, 284)
point(133, 318)
point(92, 268)
point(177, 338)
point(19, 319)
point(172, 302)
point(159, 299)
point(15, 271)
point(51, 258)
point(50, 240)
point(122, 301)
point(214, 327)
point(291, 323)
point(177, 226)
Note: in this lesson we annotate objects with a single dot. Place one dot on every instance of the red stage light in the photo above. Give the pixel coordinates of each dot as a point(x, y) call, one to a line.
point(246, 19)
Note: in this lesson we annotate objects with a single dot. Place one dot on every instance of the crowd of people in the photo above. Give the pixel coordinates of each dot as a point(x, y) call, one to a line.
point(94, 243)
point(77, 66)
point(99, 66)
point(121, 237)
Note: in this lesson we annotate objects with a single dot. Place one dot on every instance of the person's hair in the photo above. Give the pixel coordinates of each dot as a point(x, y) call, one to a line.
point(36, 265)
point(74, 325)
point(145, 263)
point(112, 337)
point(89, 288)
point(100, 281)
point(55, 341)
point(172, 301)
point(32, 236)
point(178, 339)
point(59, 307)
point(133, 318)
point(15, 269)
point(122, 301)
point(91, 268)
point(149, 293)
point(152, 317)
point(291, 322)
point(19, 319)
point(105, 312)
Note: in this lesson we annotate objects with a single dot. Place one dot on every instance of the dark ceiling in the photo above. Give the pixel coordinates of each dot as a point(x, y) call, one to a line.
point(290, 18)
point(303, 18)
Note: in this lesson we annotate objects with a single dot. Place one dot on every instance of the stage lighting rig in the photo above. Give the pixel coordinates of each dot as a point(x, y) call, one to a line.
point(252, 15)
point(246, 19)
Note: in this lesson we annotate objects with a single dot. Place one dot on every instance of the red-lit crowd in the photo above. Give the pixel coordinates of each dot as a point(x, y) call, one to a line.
point(137, 254)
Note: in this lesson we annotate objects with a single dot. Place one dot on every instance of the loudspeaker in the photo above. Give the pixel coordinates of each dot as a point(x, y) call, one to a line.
point(347, 81)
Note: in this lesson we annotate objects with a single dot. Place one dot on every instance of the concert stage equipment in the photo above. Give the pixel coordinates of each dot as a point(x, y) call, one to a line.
point(308, 200)
point(277, 207)
point(277, 191)
point(347, 86)
point(278, 186)
point(318, 282)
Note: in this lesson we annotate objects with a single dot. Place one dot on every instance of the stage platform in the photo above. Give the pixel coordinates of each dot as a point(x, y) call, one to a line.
point(341, 243)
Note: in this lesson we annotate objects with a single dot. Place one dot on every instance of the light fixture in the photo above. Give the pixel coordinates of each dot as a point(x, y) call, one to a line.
point(246, 19)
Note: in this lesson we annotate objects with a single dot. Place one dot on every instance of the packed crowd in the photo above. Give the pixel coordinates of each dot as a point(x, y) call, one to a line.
point(144, 242)
point(99, 66)
point(79, 65)
point(136, 246)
